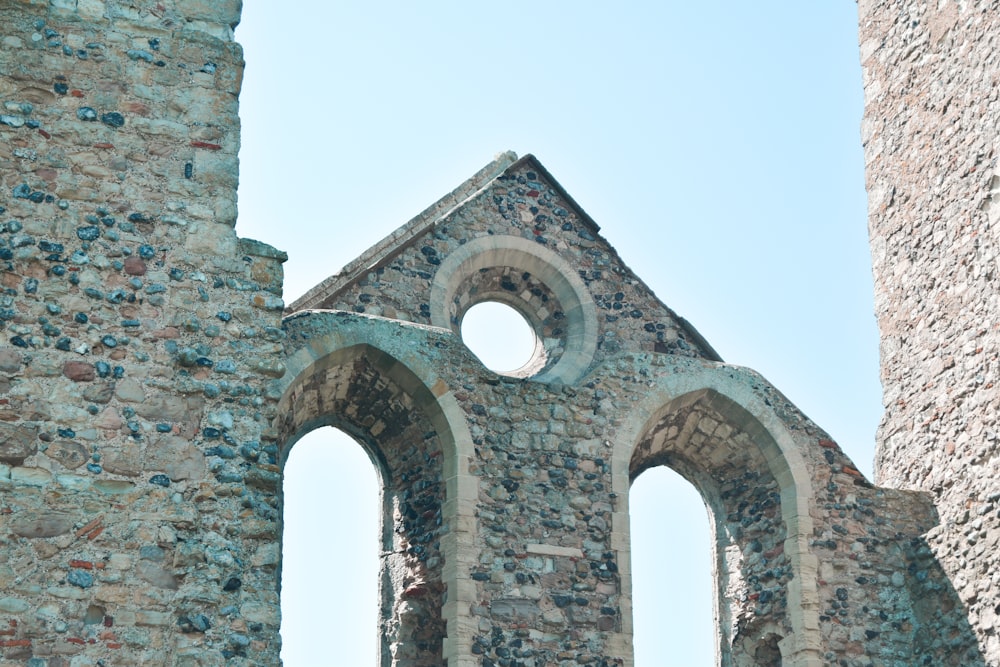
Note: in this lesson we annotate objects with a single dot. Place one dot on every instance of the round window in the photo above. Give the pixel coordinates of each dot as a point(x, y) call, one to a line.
point(499, 335)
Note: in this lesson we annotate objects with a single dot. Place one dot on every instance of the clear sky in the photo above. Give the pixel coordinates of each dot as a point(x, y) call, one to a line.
point(717, 145)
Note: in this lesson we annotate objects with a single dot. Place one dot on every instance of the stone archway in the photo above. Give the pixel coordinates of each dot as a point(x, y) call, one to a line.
point(361, 375)
point(330, 518)
point(712, 432)
point(359, 390)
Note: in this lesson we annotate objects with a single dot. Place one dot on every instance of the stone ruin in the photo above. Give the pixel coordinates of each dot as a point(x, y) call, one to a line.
point(152, 382)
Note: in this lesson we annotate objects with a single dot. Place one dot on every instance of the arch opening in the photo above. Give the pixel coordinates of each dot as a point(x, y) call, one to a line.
point(671, 547)
point(375, 399)
point(330, 550)
point(502, 339)
point(538, 284)
point(723, 452)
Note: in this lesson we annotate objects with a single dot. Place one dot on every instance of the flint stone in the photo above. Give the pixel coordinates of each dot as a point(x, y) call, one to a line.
point(266, 480)
point(99, 393)
point(130, 391)
point(268, 302)
point(515, 608)
point(79, 371)
point(17, 443)
point(13, 605)
point(109, 419)
point(165, 408)
point(156, 575)
point(70, 455)
point(134, 266)
point(188, 553)
point(127, 462)
point(259, 529)
point(42, 524)
point(177, 457)
point(80, 578)
point(274, 369)
point(152, 552)
point(10, 360)
point(30, 476)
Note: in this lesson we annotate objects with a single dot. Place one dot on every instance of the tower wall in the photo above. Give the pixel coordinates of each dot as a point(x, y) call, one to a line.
point(930, 133)
point(138, 520)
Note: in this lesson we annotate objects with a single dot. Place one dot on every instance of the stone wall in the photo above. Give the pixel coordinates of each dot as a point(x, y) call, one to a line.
point(931, 148)
point(524, 230)
point(534, 559)
point(138, 520)
point(814, 564)
point(150, 389)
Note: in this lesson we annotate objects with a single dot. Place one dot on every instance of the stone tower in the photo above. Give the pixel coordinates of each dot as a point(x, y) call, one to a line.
point(930, 133)
point(152, 383)
point(139, 335)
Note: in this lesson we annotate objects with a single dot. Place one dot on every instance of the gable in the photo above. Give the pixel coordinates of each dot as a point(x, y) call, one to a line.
point(512, 234)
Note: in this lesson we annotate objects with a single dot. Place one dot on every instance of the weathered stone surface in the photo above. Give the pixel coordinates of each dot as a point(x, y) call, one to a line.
point(178, 458)
point(13, 605)
point(30, 476)
point(79, 371)
point(931, 147)
point(156, 575)
point(144, 351)
point(100, 392)
point(17, 443)
point(109, 419)
point(130, 390)
point(123, 117)
point(113, 487)
point(10, 360)
point(126, 461)
point(40, 523)
point(226, 12)
point(511, 609)
point(69, 455)
point(170, 408)
point(134, 266)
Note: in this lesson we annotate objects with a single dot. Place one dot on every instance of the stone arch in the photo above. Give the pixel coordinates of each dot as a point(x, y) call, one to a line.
point(534, 281)
point(344, 378)
point(713, 428)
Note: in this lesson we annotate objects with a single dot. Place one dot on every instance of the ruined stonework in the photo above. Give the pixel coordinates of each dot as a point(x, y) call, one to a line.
point(152, 383)
point(814, 564)
point(138, 503)
point(931, 74)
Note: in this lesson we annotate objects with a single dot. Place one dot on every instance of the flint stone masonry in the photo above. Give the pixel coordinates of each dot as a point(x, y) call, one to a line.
point(118, 141)
point(931, 148)
point(152, 383)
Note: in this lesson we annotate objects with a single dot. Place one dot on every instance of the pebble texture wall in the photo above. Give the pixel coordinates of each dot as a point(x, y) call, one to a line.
point(138, 511)
point(931, 147)
point(150, 392)
point(814, 564)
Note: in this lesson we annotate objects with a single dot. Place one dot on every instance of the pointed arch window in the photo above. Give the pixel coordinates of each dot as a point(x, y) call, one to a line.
point(330, 546)
point(672, 575)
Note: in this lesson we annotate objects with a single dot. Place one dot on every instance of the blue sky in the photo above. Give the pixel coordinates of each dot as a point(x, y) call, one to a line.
point(717, 145)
